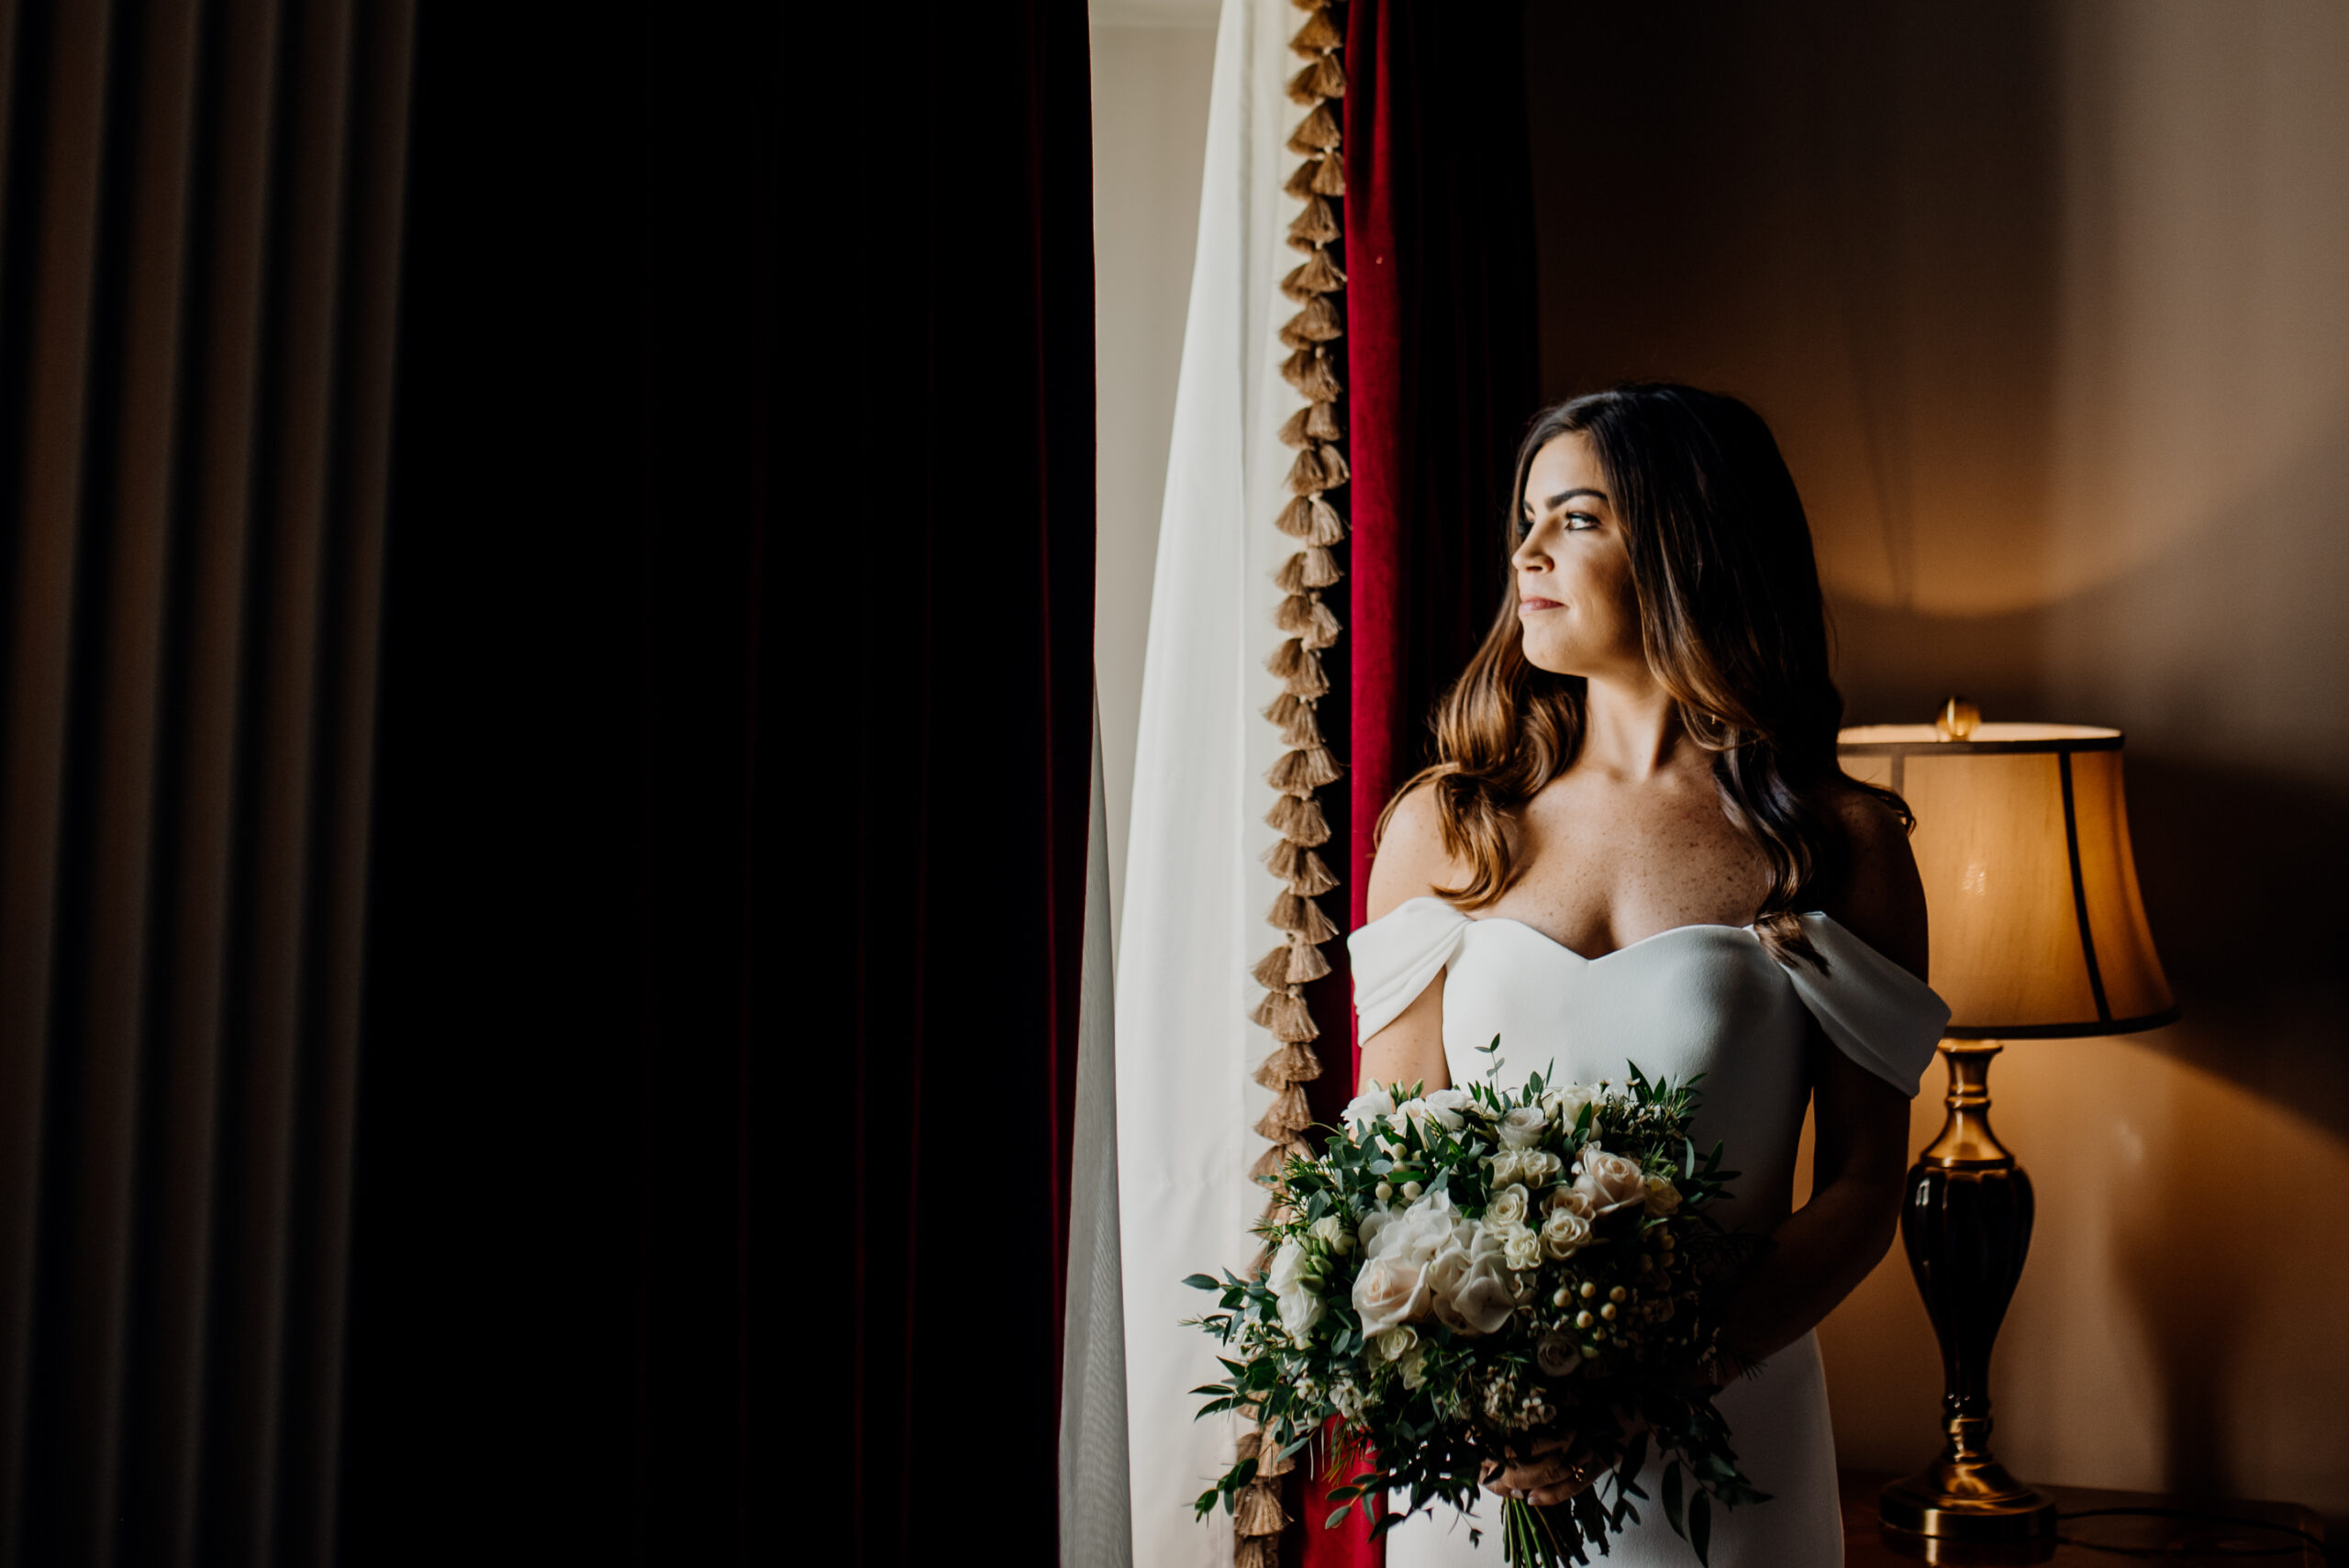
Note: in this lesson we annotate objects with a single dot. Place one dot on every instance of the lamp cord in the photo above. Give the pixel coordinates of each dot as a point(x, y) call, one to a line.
point(2196, 1518)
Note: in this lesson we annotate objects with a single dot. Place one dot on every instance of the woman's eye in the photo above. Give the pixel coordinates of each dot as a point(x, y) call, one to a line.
point(1578, 521)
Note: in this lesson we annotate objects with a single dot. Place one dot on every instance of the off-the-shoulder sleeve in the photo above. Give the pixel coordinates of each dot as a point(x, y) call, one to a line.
point(1878, 1013)
point(1396, 956)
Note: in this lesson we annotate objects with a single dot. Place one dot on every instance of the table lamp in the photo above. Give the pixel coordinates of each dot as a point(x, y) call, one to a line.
point(2038, 933)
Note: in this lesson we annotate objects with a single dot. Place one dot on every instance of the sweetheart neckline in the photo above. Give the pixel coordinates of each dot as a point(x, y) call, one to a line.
point(1550, 941)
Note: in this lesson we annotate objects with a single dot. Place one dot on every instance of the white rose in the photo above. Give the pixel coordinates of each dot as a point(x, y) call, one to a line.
point(1389, 1291)
point(1663, 1197)
point(1522, 1251)
point(1414, 1367)
point(1506, 1167)
point(1447, 1106)
point(1480, 1299)
point(1609, 1181)
point(1394, 1344)
point(1557, 1355)
point(1300, 1309)
point(1566, 1101)
point(1369, 1106)
point(1288, 1266)
point(1565, 1232)
point(1508, 1205)
point(1540, 1165)
point(1331, 1231)
point(1524, 1126)
point(1417, 1232)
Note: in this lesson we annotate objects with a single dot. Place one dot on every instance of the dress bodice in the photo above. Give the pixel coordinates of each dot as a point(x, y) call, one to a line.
point(1693, 999)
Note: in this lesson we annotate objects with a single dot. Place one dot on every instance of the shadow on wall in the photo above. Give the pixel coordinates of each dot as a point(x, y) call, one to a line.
point(2046, 306)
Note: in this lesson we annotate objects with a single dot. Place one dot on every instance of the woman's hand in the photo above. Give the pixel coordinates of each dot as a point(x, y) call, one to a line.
point(1550, 1476)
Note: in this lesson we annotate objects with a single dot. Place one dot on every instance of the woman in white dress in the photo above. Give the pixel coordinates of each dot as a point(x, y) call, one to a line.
point(1637, 846)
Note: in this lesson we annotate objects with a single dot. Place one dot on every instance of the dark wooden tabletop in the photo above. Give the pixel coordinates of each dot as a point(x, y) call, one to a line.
point(2222, 1535)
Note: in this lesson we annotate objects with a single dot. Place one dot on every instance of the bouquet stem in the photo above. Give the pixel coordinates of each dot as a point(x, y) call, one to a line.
point(1540, 1535)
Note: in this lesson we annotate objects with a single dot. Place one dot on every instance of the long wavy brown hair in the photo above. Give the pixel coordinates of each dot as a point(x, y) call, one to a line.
point(1733, 626)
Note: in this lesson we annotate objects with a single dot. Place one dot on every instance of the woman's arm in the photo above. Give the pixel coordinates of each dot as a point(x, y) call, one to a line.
point(1860, 1146)
point(1410, 864)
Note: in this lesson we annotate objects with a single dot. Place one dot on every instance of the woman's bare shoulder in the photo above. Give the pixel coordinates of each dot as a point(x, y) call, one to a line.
point(1882, 900)
point(1412, 862)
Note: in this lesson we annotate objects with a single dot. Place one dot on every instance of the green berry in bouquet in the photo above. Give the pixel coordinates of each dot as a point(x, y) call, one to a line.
point(1462, 1277)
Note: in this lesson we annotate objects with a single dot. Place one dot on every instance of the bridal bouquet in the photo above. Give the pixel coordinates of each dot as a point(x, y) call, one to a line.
point(1461, 1275)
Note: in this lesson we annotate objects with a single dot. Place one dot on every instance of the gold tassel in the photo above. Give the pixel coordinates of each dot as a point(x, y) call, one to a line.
point(1293, 430)
point(1290, 1113)
point(1251, 1444)
point(1313, 567)
point(1272, 969)
point(1315, 225)
point(1296, 615)
point(1293, 1062)
point(1322, 423)
point(1271, 1462)
point(1302, 772)
point(1307, 475)
point(1329, 175)
point(1325, 78)
point(1320, 320)
point(1322, 524)
point(1296, 717)
point(1259, 1511)
point(1317, 275)
point(1309, 372)
point(1284, 1014)
point(1291, 337)
point(1300, 669)
point(1306, 963)
point(1268, 1167)
point(1318, 132)
point(1298, 819)
point(1307, 873)
point(1321, 627)
point(1300, 184)
point(1316, 35)
point(1300, 917)
point(1333, 465)
point(1296, 519)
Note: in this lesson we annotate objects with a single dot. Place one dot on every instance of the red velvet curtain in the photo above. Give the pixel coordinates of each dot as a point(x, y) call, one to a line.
point(1441, 378)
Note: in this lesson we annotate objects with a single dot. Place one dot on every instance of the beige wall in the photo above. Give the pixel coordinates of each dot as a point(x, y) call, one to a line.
point(2049, 306)
point(1151, 66)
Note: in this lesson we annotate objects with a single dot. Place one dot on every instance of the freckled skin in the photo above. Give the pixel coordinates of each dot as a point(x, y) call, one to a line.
point(1633, 838)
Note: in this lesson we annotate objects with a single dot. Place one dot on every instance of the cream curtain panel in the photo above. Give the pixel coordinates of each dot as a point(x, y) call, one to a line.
point(1195, 889)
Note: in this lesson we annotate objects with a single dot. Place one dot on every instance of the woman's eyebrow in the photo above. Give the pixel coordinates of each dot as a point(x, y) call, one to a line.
point(1554, 502)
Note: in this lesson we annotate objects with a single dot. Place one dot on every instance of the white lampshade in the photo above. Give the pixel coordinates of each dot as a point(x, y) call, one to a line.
point(2022, 840)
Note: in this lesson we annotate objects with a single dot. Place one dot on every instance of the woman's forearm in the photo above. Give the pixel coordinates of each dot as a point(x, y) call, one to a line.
point(1811, 1262)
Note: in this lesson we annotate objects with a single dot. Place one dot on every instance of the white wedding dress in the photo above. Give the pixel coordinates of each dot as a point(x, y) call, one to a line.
point(1693, 999)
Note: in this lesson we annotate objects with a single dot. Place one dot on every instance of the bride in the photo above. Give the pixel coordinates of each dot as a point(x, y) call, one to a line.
point(1637, 845)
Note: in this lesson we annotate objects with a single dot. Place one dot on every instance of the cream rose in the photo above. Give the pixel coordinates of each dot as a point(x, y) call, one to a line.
point(1609, 1181)
point(1565, 1232)
point(1521, 1250)
point(1557, 1355)
point(1538, 1165)
point(1390, 1291)
point(1572, 1201)
point(1414, 1367)
point(1481, 1297)
point(1394, 1344)
point(1523, 1126)
point(1566, 1101)
point(1331, 1231)
point(1663, 1197)
point(1508, 1205)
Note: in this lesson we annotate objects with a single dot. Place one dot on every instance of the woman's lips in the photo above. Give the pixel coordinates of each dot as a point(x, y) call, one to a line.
point(1526, 606)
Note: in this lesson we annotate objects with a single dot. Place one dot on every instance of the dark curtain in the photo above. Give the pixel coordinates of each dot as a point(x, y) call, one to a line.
point(570, 1126)
point(731, 837)
point(1442, 360)
point(198, 255)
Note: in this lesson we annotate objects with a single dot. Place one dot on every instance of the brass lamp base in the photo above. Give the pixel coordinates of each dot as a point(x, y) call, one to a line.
point(1966, 1224)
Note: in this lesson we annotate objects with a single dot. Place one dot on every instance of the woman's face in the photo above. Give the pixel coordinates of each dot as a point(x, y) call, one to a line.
point(1575, 595)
